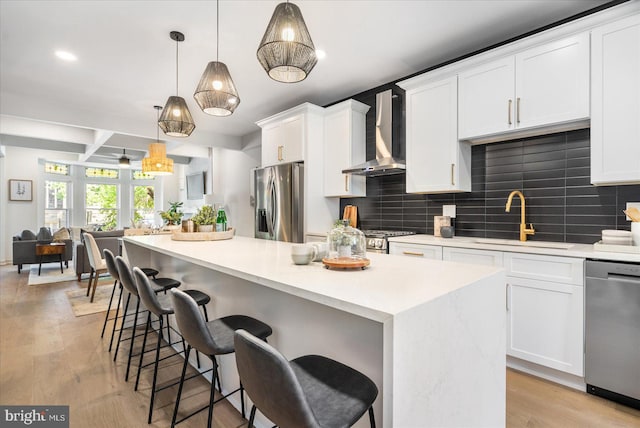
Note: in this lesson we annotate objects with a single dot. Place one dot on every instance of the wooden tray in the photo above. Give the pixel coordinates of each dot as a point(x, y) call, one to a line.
point(346, 263)
point(179, 235)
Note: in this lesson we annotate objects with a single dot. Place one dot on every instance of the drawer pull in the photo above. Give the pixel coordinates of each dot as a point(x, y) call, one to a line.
point(509, 112)
point(280, 157)
point(518, 110)
point(346, 183)
point(453, 180)
point(507, 294)
point(413, 253)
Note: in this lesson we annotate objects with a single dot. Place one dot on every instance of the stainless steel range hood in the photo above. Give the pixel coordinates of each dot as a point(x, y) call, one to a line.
point(384, 163)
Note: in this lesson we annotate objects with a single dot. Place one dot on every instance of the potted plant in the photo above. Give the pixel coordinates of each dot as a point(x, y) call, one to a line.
point(205, 218)
point(173, 215)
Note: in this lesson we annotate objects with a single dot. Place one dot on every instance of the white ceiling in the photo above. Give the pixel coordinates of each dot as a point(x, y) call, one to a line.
point(126, 60)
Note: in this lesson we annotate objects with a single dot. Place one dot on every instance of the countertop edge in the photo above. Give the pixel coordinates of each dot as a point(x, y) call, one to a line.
point(584, 251)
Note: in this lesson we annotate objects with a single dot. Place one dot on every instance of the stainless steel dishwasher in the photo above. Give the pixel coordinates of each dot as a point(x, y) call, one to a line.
point(612, 328)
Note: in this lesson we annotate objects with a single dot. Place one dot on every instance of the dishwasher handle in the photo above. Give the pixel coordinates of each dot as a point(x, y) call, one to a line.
point(623, 277)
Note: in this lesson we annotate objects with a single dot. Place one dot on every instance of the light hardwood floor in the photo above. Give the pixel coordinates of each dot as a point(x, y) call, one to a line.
point(50, 357)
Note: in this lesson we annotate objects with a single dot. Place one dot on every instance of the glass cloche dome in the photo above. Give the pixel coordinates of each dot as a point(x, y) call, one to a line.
point(345, 241)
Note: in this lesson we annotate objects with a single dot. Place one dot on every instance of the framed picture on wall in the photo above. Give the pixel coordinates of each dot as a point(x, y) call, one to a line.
point(20, 190)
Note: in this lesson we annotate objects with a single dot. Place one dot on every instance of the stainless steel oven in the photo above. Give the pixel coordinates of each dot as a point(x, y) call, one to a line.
point(377, 240)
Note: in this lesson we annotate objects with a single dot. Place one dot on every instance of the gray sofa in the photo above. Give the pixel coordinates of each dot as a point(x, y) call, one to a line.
point(108, 240)
point(24, 248)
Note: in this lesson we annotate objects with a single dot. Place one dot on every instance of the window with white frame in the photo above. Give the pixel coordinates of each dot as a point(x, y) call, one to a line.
point(57, 204)
point(101, 205)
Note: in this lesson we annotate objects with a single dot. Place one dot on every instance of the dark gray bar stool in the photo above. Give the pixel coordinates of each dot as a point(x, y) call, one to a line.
point(126, 279)
point(161, 307)
point(110, 261)
point(308, 392)
point(210, 338)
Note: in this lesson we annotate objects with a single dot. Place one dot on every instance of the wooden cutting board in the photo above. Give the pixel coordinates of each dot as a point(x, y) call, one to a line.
point(351, 213)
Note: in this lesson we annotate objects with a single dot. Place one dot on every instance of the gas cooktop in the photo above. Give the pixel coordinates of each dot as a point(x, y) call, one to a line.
point(377, 239)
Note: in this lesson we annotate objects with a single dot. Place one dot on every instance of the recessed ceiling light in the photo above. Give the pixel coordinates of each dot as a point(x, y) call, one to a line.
point(66, 56)
point(320, 54)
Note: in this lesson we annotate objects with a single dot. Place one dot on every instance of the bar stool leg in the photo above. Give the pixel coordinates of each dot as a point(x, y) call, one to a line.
point(252, 416)
point(155, 373)
point(106, 317)
point(212, 392)
point(184, 370)
point(124, 317)
point(115, 320)
point(133, 336)
point(144, 345)
point(372, 419)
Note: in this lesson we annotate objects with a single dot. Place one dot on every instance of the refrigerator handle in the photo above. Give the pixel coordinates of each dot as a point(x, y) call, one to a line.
point(271, 204)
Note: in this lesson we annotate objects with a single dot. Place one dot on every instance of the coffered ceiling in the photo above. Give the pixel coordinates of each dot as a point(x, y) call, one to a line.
point(126, 61)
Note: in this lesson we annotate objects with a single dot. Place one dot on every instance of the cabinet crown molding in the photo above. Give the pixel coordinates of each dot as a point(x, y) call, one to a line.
point(586, 23)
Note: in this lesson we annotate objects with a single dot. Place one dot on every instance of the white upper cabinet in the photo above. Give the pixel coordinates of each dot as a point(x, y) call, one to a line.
point(344, 146)
point(436, 161)
point(285, 135)
point(539, 87)
point(615, 102)
point(486, 99)
point(283, 141)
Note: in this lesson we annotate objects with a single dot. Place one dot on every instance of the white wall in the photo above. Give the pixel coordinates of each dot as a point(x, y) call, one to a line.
point(232, 181)
point(20, 164)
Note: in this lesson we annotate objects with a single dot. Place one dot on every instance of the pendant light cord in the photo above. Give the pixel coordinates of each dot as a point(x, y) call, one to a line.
point(177, 41)
point(157, 127)
point(217, 28)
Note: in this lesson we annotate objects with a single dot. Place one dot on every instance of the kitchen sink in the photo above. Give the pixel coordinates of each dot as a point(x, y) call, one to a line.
point(535, 244)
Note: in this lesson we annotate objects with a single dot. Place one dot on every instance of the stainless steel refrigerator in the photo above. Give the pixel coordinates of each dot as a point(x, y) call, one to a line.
point(279, 211)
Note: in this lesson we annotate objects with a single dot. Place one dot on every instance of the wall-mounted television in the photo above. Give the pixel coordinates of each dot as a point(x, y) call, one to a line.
point(195, 186)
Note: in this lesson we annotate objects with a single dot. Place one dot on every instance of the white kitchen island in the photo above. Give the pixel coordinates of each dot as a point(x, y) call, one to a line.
point(430, 334)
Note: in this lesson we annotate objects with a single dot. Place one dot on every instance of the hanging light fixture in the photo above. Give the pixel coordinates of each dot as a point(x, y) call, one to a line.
point(157, 163)
point(286, 51)
point(124, 161)
point(216, 93)
point(176, 120)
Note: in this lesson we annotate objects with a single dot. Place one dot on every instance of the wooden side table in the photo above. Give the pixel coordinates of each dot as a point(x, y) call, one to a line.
point(49, 249)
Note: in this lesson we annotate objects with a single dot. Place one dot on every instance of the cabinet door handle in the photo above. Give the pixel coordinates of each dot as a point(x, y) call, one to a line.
point(453, 180)
point(346, 183)
point(280, 157)
point(509, 111)
point(508, 295)
point(413, 253)
point(518, 110)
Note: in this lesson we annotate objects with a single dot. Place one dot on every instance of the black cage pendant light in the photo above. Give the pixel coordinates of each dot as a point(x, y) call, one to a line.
point(286, 51)
point(124, 161)
point(176, 120)
point(216, 93)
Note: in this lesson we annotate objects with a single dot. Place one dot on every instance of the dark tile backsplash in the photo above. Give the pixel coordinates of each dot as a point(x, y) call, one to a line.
point(553, 173)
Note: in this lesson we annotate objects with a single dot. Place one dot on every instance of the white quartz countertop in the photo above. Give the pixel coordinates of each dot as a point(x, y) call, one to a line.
point(389, 286)
point(531, 247)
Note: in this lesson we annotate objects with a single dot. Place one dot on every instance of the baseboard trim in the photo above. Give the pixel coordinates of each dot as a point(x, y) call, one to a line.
point(566, 379)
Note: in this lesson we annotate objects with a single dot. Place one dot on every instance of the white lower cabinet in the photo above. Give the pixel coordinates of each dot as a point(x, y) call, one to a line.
point(544, 301)
point(416, 250)
point(545, 319)
point(472, 256)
